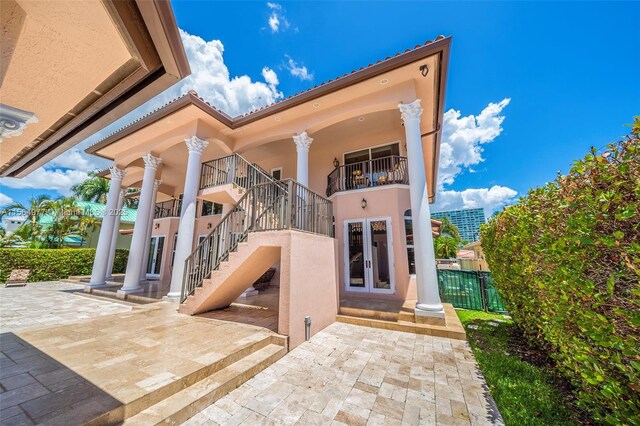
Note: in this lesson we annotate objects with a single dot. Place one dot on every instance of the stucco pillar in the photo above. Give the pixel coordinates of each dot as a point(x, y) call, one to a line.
point(184, 244)
point(303, 142)
point(138, 241)
point(147, 247)
point(114, 236)
point(106, 230)
point(428, 304)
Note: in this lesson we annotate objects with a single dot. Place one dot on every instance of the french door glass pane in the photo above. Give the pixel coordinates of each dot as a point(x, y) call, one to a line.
point(356, 255)
point(380, 254)
point(158, 257)
point(152, 250)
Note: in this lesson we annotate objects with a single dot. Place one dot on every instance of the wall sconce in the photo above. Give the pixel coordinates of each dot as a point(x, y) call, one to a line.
point(208, 226)
point(156, 226)
point(424, 70)
point(336, 163)
point(363, 204)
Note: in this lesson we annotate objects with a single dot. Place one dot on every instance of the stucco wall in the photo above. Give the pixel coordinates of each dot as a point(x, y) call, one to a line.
point(391, 202)
point(307, 285)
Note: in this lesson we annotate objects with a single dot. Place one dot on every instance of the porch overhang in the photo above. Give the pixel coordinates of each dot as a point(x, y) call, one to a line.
point(71, 68)
point(418, 73)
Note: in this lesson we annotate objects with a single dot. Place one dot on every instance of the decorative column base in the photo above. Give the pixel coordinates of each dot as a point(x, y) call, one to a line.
point(89, 287)
point(120, 294)
point(432, 316)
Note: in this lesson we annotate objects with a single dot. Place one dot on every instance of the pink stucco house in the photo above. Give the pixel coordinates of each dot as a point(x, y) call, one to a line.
point(331, 186)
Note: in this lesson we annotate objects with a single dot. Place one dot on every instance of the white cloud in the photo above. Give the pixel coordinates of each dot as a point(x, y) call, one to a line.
point(277, 19)
point(52, 179)
point(298, 71)
point(5, 199)
point(490, 199)
point(463, 137)
point(74, 159)
point(274, 22)
point(461, 149)
point(270, 76)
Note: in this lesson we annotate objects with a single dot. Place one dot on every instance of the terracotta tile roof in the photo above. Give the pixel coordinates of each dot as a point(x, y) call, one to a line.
point(232, 121)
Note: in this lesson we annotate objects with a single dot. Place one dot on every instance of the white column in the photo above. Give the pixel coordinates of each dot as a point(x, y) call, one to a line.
point(184, 244)
point(106, 230)
point(132, 274)
point(114, 237)
point(152, 211)
point(429, 304)
point(303, 142)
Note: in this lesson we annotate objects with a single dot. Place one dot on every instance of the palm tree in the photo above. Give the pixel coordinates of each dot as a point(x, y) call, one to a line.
point(445, 247)
point(66, 221)
point(449, 229)
point(32, 211)
point(95, 189)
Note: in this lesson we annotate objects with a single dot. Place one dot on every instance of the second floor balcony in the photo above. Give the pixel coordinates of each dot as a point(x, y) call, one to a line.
point(170, 208)
point(371, 173)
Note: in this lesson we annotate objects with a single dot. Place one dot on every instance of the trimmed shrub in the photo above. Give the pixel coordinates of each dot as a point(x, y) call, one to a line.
point(566, 260)
point(54, 264)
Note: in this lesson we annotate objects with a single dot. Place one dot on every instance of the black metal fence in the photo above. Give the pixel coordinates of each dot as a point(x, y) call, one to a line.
point(469, 290)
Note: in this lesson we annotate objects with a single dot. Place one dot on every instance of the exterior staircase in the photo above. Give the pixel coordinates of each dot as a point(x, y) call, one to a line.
point(231, 258)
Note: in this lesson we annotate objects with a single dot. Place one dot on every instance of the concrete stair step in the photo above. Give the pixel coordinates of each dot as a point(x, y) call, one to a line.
point(184, 404)
point(454, 331)
point(368, 313)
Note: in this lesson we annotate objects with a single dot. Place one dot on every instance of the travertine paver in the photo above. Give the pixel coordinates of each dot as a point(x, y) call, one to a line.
point(49, 303)
point(355, 375)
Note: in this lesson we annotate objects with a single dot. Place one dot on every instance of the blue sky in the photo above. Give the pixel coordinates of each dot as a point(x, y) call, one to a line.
point(561, 77)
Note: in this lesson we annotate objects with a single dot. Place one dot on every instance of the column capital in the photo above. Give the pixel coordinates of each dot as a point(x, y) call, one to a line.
point(411, 111)
point(151, 162)
point(117, 173)
point(156, 184)
point(196, 145)
point(302, 141)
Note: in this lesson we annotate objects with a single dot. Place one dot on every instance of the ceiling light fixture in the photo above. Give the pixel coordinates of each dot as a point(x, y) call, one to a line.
point(277, 118)
point(384, 81)
point(316, 105)
point(360, 118)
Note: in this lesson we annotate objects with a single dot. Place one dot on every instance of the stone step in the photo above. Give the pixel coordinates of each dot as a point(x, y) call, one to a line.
point(368, 313)
point(184, 404)
point(453, 331)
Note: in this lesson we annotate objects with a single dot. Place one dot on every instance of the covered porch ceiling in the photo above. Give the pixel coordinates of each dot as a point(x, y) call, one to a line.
point(371, 92)
point(70, 68)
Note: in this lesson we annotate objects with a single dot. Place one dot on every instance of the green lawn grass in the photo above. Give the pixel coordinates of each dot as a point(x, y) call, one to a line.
point(524, 393)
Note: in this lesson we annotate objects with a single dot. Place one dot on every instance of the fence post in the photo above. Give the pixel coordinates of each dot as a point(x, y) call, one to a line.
point(483, 291)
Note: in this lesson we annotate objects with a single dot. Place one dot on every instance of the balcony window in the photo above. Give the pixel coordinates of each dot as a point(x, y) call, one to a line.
point(210, 208)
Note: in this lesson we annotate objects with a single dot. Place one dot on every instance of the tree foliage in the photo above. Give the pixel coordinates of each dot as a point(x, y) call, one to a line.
point(446, 247)
point(567, 262)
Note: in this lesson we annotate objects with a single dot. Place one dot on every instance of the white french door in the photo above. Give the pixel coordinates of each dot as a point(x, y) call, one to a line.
point(368, 255)
point(155, 256)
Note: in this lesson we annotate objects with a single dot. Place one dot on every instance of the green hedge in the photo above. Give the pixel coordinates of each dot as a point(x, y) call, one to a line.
point(54, 264)
point(566, 260)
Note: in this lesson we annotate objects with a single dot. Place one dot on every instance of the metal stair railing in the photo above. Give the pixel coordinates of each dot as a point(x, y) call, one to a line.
point(270, 206)
point(233, 169)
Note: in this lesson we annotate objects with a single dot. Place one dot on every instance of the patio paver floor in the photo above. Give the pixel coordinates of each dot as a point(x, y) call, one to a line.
point(353, 375)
